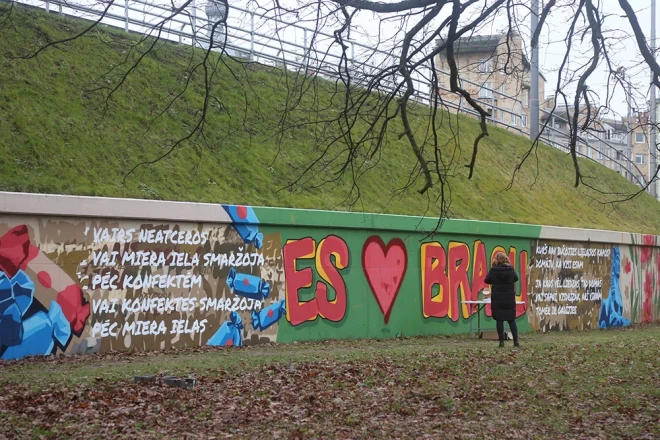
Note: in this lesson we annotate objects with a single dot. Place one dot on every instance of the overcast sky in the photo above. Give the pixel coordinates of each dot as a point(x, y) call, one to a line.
point(625, 53)
point(552, 48)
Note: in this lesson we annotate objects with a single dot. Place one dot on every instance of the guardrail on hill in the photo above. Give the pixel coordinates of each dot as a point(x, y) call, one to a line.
point(265, 38)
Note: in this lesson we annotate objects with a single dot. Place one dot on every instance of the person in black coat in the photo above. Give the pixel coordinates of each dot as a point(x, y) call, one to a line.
point(502, 279)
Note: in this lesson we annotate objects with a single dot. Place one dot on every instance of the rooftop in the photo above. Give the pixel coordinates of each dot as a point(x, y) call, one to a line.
point(477, 44)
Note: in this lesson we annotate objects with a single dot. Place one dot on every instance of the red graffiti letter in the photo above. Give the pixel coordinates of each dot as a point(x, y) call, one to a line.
point(331, 246)
point(459, 285)
point(433, 273)
point(298, 312)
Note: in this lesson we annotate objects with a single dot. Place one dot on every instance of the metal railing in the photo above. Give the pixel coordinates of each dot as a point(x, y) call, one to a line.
point(269, 39)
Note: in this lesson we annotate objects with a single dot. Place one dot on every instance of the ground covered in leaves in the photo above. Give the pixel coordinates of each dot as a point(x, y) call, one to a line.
point(598, 384)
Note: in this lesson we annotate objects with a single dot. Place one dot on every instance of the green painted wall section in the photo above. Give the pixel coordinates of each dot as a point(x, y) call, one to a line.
point(363, 317)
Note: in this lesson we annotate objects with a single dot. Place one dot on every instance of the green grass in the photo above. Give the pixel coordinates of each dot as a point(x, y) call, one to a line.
point(596, 384)
point(56, 136)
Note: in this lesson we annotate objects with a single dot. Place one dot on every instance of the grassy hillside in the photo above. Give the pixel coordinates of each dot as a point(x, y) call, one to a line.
point(56, 136)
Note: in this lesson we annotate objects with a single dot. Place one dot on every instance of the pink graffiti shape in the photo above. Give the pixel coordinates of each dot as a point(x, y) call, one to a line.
point(647, 314)
point(384, 267)
point(71, 301)
point(270, 313)
point(241, 211)
point(44, 279)
point(647, 241)
point(16, 251)
point(246, 281)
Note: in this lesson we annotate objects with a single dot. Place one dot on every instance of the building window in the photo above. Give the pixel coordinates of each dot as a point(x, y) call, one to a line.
point(502, 63)
point(618, 155)
point(525, 97)
point(524, 120)
point(486, 91)
point(639, 159)
point(600, 154)
point(589, 152)
point(639, 138)
point(514, 119)
point(558, 125)
point(620, 137)
point(485, 66)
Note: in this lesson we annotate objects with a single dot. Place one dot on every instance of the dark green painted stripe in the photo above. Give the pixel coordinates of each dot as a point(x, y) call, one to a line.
point(388, 222)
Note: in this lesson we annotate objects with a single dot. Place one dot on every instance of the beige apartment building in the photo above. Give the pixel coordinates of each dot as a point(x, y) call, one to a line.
point(494, 70)
point(640, 146)
point(605, 140)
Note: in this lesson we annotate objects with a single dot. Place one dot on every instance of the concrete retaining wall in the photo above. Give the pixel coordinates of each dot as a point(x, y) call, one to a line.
point(88, 274)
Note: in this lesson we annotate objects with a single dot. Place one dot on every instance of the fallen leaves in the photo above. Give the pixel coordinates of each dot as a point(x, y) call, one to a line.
point(419, 387)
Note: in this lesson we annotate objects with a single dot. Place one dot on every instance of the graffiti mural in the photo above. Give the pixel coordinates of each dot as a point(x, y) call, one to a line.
point(378, 294)
point(639, 278)
point(75, 285)
point(298, 311)
point(450, 273)
point(568, 282)
point(611, 308)
point(384, 267)
point(87, 286)
point(32, 324)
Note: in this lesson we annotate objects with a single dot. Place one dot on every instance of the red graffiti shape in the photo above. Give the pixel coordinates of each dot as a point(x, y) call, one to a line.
point(647, 251)
point(44, 279)
point(15, 250)
point(384, 267)
point(241, 211)
point(71, 301)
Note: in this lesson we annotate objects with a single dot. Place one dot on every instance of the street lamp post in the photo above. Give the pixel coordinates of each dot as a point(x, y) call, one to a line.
point(652, 114)
point(534, 73)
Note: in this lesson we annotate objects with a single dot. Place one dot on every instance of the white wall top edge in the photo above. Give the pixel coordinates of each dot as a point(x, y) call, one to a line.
point(122, 208)
point(84, 206)
point(584, 235)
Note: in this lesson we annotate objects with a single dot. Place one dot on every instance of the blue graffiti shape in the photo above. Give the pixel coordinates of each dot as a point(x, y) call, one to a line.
point(11, 328)
point(249, 286)
point(15, 298)
point(37, 338)
point(61, 326)
point(32, 335)
point(611, 308)
point(22, 289)
point(229, 334)
point(246, 223)
point(263, 319)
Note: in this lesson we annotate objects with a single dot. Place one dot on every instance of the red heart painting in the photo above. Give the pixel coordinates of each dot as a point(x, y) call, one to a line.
point(384, 267)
